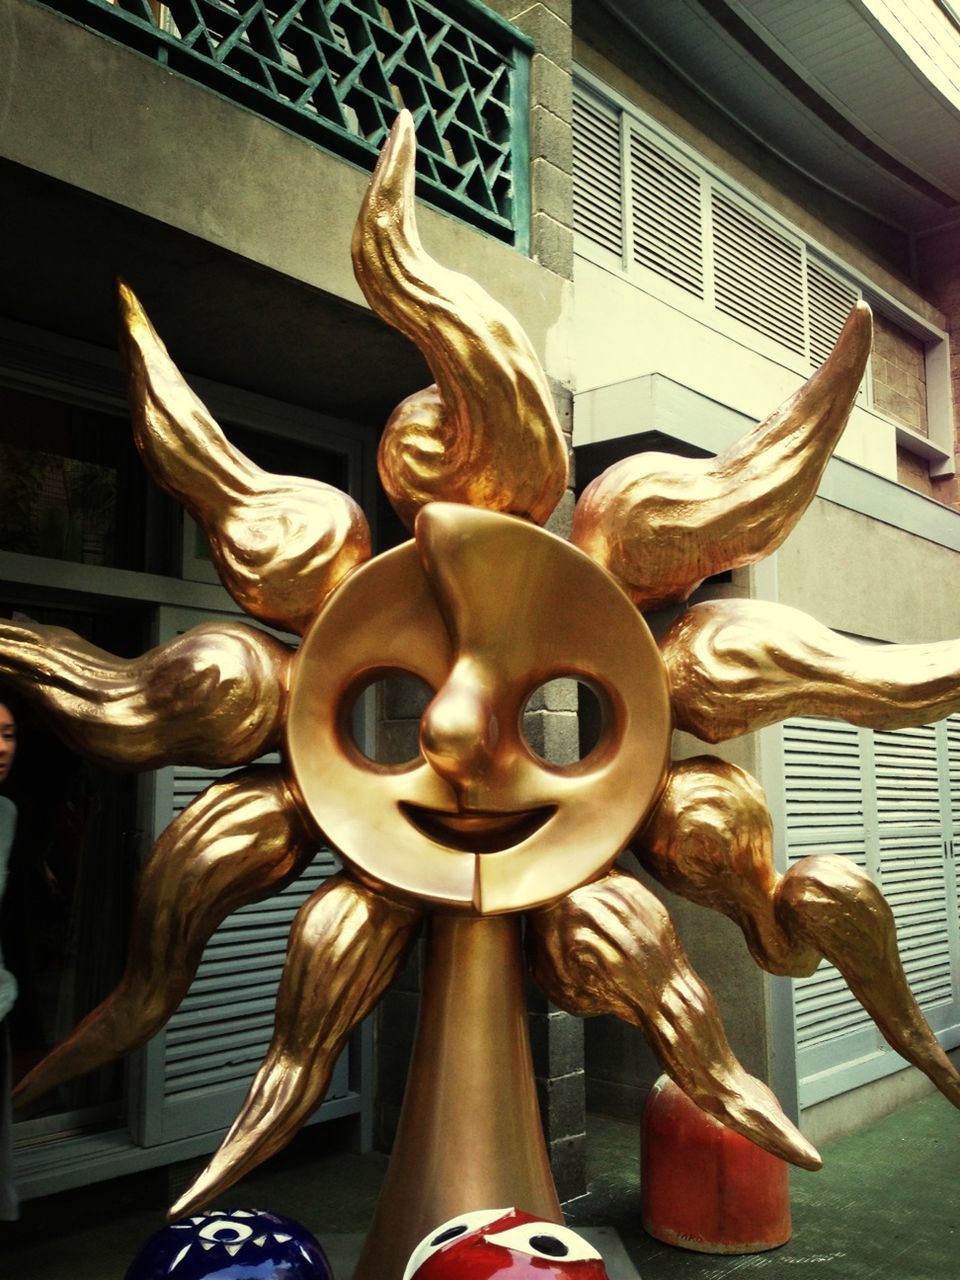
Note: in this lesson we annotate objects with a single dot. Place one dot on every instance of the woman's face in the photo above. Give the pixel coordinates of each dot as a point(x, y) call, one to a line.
point(8, 741)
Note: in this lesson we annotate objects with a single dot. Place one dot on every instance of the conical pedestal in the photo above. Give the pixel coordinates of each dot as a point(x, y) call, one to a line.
point(469, 1135)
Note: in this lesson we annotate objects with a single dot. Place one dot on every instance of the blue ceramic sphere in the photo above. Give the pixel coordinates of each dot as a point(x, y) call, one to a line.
point(231, 1244)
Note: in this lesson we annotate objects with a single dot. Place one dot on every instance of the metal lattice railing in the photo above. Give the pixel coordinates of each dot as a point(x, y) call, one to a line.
point(337, 71)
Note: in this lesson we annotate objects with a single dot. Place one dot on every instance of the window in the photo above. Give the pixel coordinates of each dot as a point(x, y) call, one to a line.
point(671, 222)
point(71, 485)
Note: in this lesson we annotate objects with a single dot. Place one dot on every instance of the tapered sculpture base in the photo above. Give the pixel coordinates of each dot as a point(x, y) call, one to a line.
point(469, 1135)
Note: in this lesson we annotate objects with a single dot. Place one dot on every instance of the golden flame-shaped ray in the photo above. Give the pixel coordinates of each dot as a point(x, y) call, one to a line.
point(834, 906)
point(214, 697)
point(238, 842)
point(346, 947)
point(710, 839)
point(737, 665)
point(487, 433)
point(611, 947)
point(661, 524)
point(280, 543)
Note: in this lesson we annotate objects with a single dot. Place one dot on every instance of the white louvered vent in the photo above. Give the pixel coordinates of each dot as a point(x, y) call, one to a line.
point(952, 729)
point(220, 1032)
point(758, 274)
point(824, 788)
point(829, 300)
point(666, 215)
point(597, 188)
point(879, 799)
point(688, 234)
point(824, 814)
point(912, 867)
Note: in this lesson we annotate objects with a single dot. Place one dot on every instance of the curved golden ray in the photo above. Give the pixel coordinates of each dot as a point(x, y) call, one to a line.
point(487, 433)
point(610, 947)
point(238, 842)
point(346, 948)
point(737, 665)
point(837, 908)
point(710, 839)
point(280, 543)
point(215, 696)
point(661, 523)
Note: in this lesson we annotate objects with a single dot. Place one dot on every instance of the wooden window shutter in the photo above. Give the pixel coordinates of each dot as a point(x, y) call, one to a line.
point(196, 1072)
point(890, 801)
point(217, 1038)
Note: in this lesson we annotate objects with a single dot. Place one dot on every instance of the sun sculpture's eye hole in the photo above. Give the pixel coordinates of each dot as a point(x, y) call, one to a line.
point(546, 1240)
point(566, 693)
point(381, 718)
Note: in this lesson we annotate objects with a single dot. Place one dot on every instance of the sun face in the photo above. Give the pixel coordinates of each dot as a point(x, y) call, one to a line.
point(484, 607)
point(477, 818)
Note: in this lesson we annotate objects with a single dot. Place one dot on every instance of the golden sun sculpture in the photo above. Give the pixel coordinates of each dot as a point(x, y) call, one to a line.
point(477, 833)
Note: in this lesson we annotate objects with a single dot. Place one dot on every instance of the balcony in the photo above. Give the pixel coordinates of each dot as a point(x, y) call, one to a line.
point(337, 71)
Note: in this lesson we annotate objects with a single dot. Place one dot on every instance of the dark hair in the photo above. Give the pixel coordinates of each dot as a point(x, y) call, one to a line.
point(10, 699)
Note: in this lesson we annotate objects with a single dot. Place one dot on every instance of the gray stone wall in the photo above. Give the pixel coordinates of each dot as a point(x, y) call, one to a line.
point(548, 24)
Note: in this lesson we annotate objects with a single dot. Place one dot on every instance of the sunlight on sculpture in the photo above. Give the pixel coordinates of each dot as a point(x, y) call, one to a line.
point(477, 832)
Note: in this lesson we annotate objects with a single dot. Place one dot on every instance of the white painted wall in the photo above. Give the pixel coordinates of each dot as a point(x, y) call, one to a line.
point(622, 332)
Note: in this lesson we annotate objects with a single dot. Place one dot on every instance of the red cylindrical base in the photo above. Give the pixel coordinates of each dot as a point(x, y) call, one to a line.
point(705, 1187)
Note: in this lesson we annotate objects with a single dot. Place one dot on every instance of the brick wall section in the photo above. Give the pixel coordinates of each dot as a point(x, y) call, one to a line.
point(938, 277)
point(899, 375)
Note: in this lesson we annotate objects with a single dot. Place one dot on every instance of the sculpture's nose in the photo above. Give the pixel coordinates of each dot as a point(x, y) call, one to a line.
point(460, 730)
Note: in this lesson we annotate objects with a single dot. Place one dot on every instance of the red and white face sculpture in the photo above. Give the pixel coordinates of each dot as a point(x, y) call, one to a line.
point(504, 1243)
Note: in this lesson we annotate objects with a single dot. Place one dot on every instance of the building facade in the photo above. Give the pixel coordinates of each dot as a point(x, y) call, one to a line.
point(743, 173)
point(215, 157)
point(679, 205)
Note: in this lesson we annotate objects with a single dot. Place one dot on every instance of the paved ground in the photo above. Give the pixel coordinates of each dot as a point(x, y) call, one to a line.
point(886, 1206)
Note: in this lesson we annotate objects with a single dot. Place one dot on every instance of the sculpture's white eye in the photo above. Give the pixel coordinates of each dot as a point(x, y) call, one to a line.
point(225, 1231)
point(452, 1229)
point(546, 1240)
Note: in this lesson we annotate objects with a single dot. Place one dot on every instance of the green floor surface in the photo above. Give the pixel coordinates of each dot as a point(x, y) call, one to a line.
point(886, 1206)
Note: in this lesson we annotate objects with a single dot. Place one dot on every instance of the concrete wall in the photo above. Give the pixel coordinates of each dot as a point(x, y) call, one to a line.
point(133, 133)
point(938, 267)
point(623, 332)
point(867, 578)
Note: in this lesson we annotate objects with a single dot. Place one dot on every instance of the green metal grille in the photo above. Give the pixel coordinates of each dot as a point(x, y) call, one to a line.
point(337, 72)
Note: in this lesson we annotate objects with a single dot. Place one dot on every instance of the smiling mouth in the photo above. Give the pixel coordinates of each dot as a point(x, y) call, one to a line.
point(477, 831)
